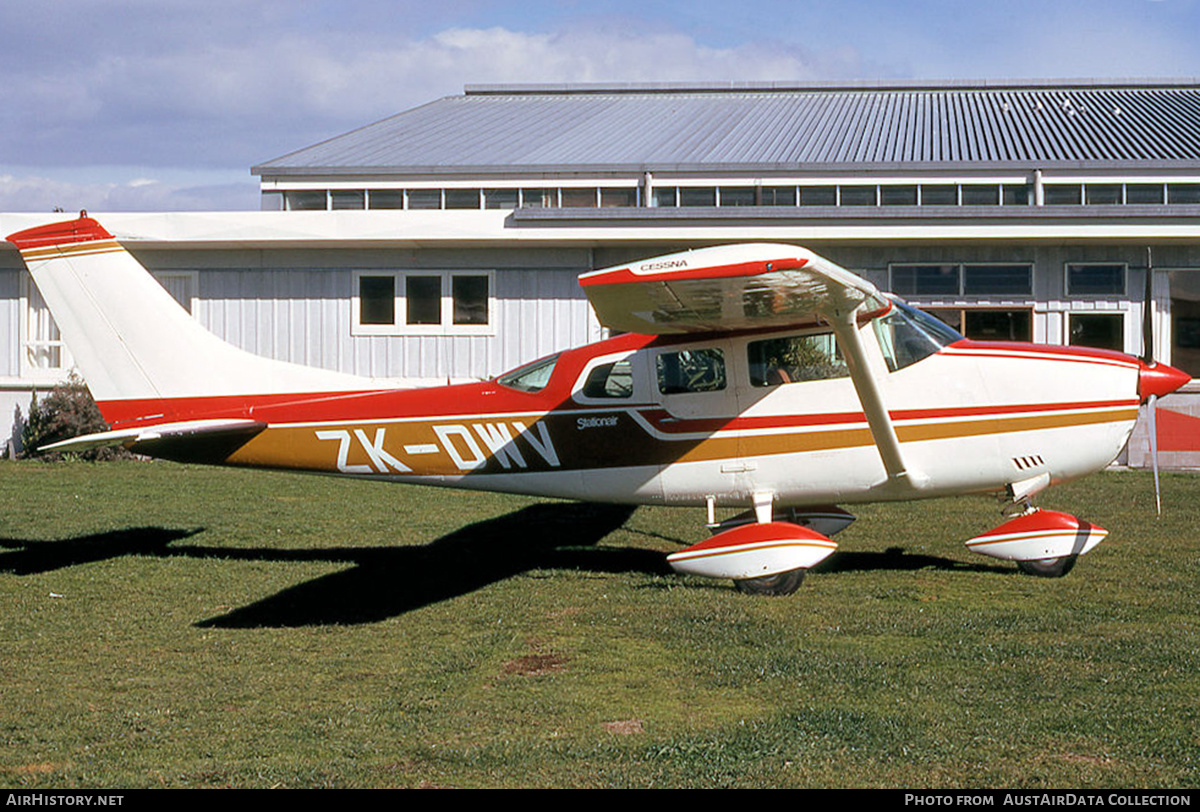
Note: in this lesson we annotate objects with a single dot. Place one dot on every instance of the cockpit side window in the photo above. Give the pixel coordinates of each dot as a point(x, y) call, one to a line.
point(791, 359)
point(906, 336)
point(701, 370)
point(531, 377)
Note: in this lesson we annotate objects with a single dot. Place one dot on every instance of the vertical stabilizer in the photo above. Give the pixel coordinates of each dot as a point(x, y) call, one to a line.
point(132, 340)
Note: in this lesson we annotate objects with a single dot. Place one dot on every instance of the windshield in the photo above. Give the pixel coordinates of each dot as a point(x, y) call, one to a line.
point(906, 335)
point(531, 377)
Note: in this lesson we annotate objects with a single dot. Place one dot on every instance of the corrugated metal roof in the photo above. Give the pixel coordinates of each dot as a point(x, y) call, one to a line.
point(622, 128)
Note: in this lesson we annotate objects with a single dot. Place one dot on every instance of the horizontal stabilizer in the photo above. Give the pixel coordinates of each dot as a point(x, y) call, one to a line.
point(186, 430)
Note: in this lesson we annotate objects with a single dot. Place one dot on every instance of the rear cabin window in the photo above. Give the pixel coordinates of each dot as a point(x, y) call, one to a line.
point(613, 380)
point(691, 371)
point(792, 359)
point(531, 377)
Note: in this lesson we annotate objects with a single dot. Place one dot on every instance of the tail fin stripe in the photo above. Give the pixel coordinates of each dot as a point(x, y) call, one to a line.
point(77, 250)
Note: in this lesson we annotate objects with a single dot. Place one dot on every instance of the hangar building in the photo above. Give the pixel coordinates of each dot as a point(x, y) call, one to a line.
point(443, 243)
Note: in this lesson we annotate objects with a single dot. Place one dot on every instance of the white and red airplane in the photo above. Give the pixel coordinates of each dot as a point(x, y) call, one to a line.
point(757, 376)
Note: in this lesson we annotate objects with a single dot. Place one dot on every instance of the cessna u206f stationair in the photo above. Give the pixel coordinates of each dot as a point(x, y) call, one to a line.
point(756, 376)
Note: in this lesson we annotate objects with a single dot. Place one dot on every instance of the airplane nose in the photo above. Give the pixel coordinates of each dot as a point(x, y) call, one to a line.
point(1159, 380)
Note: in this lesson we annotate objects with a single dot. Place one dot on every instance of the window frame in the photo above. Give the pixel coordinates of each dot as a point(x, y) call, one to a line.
point(1116, 294)
point(637, 368)
point(193, 288)
point(400, 327)
point(979, 309)
point(1121, 316)
point(26, 342)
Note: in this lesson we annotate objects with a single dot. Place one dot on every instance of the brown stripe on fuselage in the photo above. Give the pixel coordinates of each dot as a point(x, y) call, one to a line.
point(456, 446)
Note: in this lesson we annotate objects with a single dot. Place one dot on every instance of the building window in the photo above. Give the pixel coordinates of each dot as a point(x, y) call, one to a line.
point(306, 200)
point(43, 351)
point(1144, 194)
point(462, 198)
point(818, 195)
point(988, 324)
point(619, 198)
point(1016, 194)
point(342, 199)
point(377, 300)
point(423, 302)
point(998, 325)
point(951, 280)
point(424, 198)
point(998, 280)
point(898, 195)
point(737, 196)
point(939, 195)
point(500, 198)
point(1103, 330)
point(385, 198)
point(1103, 194)
point(779, 195)
point(980, 195)
point(1098, 279)
point(539, 198)
point(926, 280)
point(1061, 194)
point(579, 198)
point(697, 196)
point(182, 286)
point(666, 197)
point(1183, 193)
point(1185, 321)
point(857, 196)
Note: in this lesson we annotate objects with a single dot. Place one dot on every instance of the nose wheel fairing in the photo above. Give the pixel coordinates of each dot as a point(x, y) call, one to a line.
point(1039, 536)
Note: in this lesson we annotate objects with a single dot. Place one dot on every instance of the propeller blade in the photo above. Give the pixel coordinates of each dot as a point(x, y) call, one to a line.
point(1151, 410)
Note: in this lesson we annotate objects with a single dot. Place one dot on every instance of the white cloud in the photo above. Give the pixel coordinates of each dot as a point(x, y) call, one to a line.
point(239, 103)
point(32, 192)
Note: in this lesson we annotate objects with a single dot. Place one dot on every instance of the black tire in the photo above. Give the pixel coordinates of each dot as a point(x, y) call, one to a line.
point(783, 583)
point(1048, 567)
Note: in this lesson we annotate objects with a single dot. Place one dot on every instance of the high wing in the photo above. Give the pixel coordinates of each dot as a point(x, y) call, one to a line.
point(726, 288)
point(756, 286)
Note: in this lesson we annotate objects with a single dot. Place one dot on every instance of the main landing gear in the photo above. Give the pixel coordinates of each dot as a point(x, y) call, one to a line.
point(764, 552)
point(1048, 567)
point(783, 583)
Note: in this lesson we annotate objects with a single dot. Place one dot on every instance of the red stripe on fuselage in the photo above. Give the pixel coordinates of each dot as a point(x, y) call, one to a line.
point(488, 397)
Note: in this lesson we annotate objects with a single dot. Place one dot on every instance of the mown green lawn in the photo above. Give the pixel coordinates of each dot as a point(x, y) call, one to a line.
point(176, 626)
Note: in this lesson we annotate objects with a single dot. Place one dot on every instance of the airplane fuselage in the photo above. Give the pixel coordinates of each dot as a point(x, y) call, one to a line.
point(970, 417)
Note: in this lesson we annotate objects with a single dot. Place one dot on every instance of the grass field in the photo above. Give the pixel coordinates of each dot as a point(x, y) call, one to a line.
point(174, 626)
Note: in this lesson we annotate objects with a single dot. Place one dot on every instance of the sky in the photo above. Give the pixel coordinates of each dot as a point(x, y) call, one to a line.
point(164, 105)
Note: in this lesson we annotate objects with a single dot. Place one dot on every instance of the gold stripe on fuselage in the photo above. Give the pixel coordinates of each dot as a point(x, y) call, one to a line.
point(456, 446)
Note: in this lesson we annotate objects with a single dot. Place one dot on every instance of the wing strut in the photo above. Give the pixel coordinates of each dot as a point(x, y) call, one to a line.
point(843, 318)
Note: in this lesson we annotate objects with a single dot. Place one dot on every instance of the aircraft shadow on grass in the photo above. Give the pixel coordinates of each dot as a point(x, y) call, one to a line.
point(390, 581)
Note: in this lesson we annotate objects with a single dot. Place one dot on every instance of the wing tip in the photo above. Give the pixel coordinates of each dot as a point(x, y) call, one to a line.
point(67, 232)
